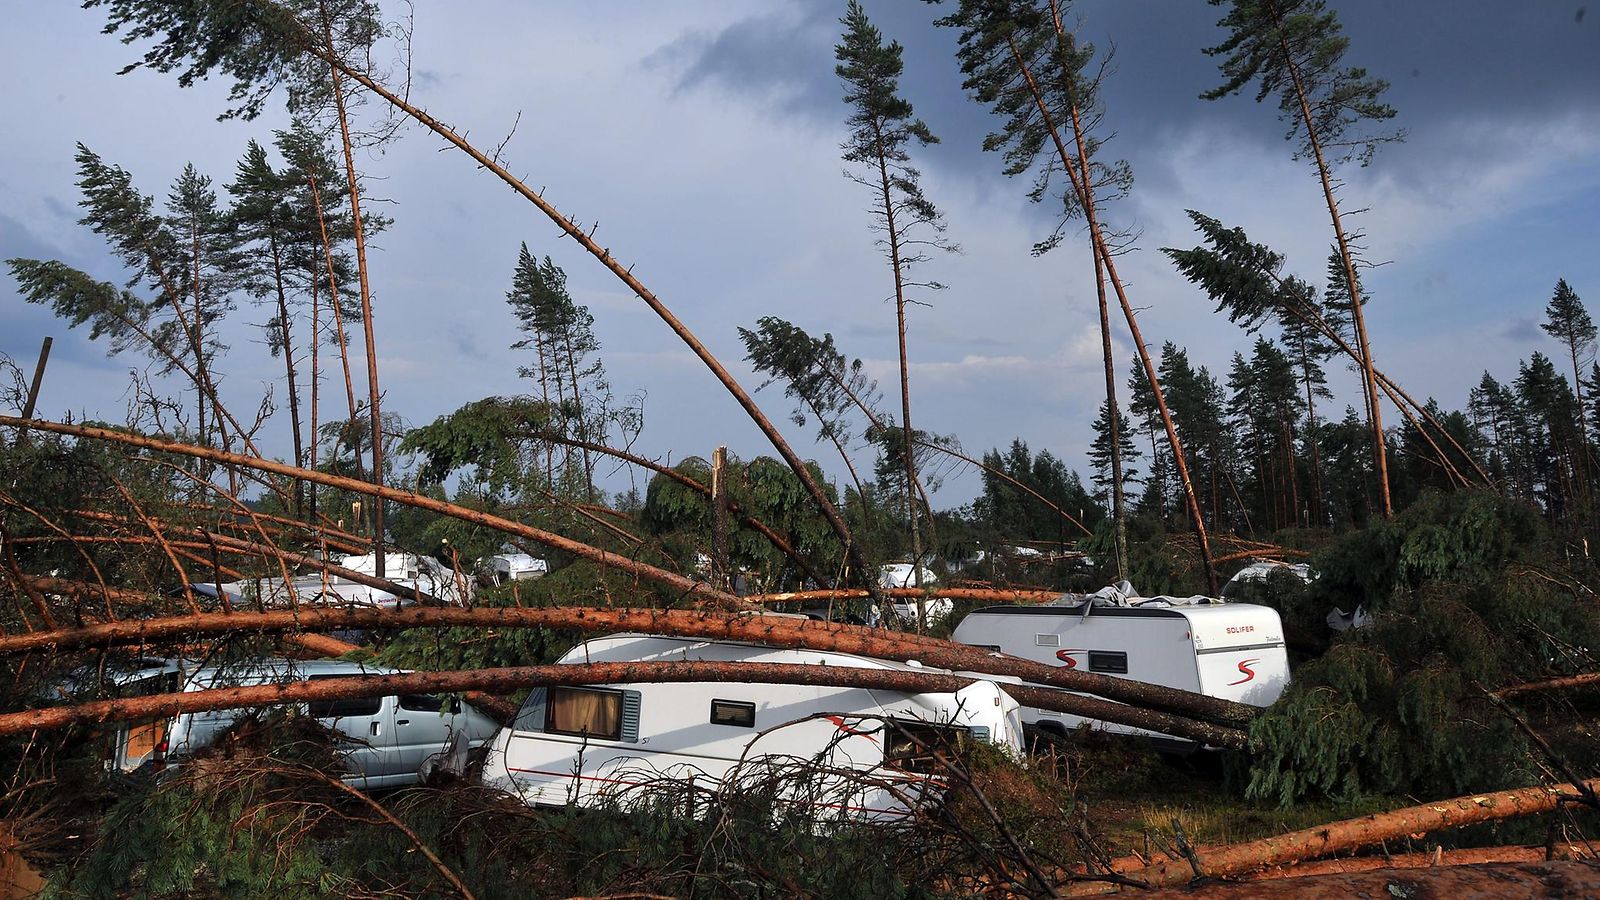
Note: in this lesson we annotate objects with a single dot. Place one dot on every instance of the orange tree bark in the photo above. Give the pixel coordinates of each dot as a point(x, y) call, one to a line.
point(773, 631)
point(506, 680)
point(1572, 878)
point(687, 587)
point(1237, 859)
point(1470, 857)
point(1586, 679)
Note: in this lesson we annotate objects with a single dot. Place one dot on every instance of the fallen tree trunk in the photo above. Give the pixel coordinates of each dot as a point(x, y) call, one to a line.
point(1474, 856)
point(980, 595)
point(775, 631)
point(498, 708)
point(1562, 878)
point(506, 680)
point(687, 587)
point(1586, 679)
point(1237, 859)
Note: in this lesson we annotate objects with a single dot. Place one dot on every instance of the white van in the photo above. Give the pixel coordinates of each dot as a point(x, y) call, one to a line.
point(578, 745)
point(1234, 651)
point(385, 740)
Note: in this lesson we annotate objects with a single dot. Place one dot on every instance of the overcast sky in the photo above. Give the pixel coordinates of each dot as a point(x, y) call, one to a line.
point(703, 138)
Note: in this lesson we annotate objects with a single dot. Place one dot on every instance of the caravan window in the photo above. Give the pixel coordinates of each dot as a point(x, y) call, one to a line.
point(910, 746)
point(585, 712)
point(733, 712)
point(1107, 661)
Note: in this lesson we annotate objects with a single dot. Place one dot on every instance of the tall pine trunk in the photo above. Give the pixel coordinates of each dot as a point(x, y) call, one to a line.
point(1369, 379)
point(907, 454)
point(1085, 194)
point(366, 297)
point(288, 363)
point(338, 316)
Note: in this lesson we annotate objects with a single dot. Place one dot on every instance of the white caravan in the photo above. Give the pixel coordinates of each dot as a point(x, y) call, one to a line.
point(1234, 651)
point(856, 752)
point(511, 564)
point(422, 573)
point(384, 741)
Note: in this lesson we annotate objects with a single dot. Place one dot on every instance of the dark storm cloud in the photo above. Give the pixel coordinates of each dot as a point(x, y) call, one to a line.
point(767, 59)
point(1470, 58)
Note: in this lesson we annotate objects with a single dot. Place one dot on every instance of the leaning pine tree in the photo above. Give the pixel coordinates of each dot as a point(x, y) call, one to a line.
point(881, 128)
point(1020, 58)
point(1292, 49)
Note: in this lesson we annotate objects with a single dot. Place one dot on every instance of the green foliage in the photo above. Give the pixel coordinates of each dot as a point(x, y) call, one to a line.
point(1015, 60)
point(261, 46)
point(882, 126)
point(1011, 514)
point(492, 437)
point(764, 489)
point(1292, 49)
point(1397, 706)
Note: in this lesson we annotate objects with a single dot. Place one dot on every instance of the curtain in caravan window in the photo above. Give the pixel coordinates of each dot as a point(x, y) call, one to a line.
point(588, 712)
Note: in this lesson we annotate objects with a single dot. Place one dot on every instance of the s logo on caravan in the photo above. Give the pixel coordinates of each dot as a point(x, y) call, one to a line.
point(1249, 673)
point(1066, 657)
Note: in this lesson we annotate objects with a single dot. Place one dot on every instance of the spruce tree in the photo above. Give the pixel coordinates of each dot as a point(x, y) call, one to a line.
point(882, 128)
point(1112, 442)
point(1293, 50)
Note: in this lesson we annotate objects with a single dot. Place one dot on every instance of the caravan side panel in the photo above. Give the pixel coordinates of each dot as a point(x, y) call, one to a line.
point(1152, 645)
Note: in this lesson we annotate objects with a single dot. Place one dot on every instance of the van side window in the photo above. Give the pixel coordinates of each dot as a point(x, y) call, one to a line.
point(733, 712)
point(345, 708)
point(910, 746)
point(1107, 661)
point(422, 702)
point(584, 712)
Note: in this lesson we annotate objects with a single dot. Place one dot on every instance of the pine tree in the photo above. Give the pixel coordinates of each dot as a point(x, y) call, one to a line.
point(1020, 59)
point(561, 333)
point(1568, 322)
point(1549, 433)
point(1307, 349)
point(1492, 409)
point(260, 214)
point(882, 127)
point(1293, 49)
point(185, 260)
point(320, 235)
point(1142, 406)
